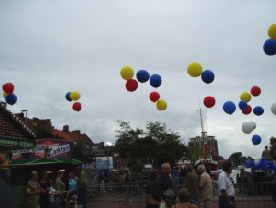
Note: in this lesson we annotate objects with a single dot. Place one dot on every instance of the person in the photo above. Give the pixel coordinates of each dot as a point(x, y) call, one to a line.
point(273, 191)
point(61, 189)
point(82, 190)
point(6, 194)
point(266, 153)
point(33, 191)
point(152, 199)
point(184, 198)
point(166, 186)
point(226, 187)
point(205, 187)
point(72, 194)
point(44, 194)
point(191, 183)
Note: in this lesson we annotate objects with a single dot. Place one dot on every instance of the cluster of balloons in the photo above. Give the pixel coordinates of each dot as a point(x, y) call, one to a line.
point(74, 96)
point(143, 76)
point(246, 97)
point(8, 93)
point(270, 44)
point(195, 70)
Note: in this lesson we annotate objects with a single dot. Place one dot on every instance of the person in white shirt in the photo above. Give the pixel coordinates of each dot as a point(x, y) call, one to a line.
point(226, 187)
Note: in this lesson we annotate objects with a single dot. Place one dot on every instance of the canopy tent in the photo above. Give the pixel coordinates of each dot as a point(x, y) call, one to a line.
point(261, 164)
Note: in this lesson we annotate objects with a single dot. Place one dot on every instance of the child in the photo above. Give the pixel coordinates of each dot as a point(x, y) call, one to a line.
point(184, 200)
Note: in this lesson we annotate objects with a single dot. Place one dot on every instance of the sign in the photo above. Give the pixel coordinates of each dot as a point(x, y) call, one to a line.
point(19, 143)
point(55, 151)
point(32, 154)
point(104, 163)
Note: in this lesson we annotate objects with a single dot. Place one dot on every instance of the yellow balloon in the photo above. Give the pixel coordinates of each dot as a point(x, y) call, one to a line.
point(194, 69)
point(246, 97)
point(161, 105)
point(127, 72)
point(272, 32)
point(75, 95)
point(5, 94)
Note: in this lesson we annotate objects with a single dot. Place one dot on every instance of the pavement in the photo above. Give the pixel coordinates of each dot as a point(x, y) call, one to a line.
point(111, 200)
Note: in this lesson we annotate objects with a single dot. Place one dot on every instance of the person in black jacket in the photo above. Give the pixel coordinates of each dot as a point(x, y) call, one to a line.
point(6, 194)
point(274, 189)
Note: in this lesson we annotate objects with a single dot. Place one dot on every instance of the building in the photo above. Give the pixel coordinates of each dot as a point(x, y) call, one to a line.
point(14, 132)
point(208, 146)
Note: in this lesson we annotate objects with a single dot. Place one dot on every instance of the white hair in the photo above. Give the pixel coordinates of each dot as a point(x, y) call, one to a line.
point(165, 165)
point(201, 168)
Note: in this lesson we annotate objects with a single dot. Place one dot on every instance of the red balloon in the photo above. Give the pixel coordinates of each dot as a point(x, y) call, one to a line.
point(154, 96)
point(256, 91)
point(8, 88)
point(76, 106)
point(247, 110)
point(131, 85)
point(209, 101)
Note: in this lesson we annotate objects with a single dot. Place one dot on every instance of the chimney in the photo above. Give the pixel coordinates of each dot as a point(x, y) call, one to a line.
point(65, 128)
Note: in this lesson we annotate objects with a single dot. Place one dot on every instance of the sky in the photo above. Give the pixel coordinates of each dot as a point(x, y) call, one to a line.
point(48, 48)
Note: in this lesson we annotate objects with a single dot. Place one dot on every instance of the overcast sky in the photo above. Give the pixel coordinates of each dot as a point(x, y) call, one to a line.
point(48, 48)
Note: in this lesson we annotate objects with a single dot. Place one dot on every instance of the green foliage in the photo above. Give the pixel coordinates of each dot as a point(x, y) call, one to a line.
point(237, 159)
point(154, 146)
point(83, 151)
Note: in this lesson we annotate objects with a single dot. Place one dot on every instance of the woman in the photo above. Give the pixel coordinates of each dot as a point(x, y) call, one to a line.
point(44, 194)
point(33, 191)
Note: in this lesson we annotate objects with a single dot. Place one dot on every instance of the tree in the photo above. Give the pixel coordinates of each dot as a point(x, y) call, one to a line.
point(154, 146)
point(83, 151)
point(237, 159)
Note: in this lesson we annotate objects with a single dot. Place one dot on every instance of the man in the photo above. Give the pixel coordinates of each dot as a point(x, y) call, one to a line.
point(6, 195)
point(191, 183)
point(226, 187)
point(273, 192)
point(205, 187)
point(266, 153)
point(163, 190)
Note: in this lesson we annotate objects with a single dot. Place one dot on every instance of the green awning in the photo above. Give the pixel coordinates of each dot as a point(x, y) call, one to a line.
point(25, 162)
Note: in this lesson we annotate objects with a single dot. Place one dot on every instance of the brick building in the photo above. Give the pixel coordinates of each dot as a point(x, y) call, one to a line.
point(14, 132)
point(207, 144)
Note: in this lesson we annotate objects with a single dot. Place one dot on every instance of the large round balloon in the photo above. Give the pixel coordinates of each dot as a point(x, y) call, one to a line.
point(270, 47)
point(246, 97)
point(242, 105)
point(208, 76)
point(258, 110)
point(247, 110)
point(256, 139)
point(255, 91)
point(142, 76)
point(75, 95)
point(194, 69)
point(272, 31)
point(209, 101)
point(161, 105)
point(11, 99)
point(77, 106)
point(8, 88)
point(154, 96)
point(155, 80)
point(68, 96)
point(127, 72)
point(131, 85)
point(248, 127)
point(229, 107)
point(273, 108)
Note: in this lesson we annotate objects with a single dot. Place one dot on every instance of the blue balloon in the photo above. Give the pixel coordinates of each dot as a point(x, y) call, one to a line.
point(207, 76)
point(142, 76)
point(68, 96)
point(229, 107)
point(258, 111)
point(242, 105)
point(155, 80)
point(270, 47)
point(256, 139)
point(11, 99)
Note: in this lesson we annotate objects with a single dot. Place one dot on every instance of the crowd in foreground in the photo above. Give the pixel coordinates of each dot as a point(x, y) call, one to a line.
point(196, 191)
point(48, 191)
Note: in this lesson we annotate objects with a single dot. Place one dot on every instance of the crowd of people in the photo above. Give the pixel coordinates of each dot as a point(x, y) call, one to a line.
point(196, 191)
point(56, 191)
